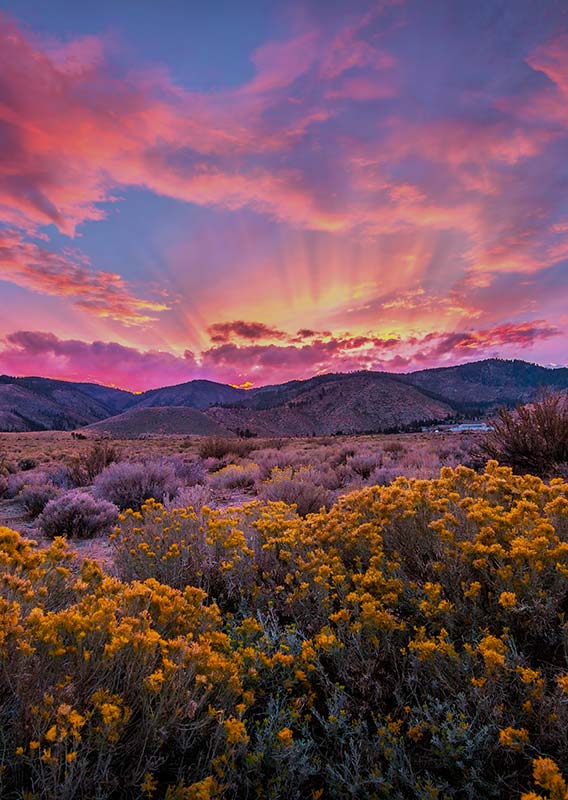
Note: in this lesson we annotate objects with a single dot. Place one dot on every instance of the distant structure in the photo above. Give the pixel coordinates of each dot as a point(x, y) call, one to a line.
point(470, 426)
point(462, 427)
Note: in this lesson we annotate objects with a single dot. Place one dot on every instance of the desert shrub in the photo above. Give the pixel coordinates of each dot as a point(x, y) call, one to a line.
point(333, 478)
point(394, 448)
point(61, 476)
point(14, 484)
point(341, 456)
point(34, 496)
point(128, 484)
point(85, 467)
point(221, 446)
point(267, 458)
point(383, 476)
point(409, 642)
point(190, 471)
point(222, 552)
point(234, 476)
point(532, 438)
point(77, 515)
point(4, 463)
point(363, 464)
point(194, 497)
point(299, 487)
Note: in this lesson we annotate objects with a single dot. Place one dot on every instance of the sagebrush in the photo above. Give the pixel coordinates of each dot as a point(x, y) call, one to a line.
point(409, 642)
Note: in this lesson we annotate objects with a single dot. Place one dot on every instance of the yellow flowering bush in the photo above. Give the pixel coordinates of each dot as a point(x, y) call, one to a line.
point(407, 643)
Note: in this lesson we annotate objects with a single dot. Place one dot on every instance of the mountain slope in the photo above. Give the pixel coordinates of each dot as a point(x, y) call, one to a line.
point(487, 383)
point(363, 401)
point(346, 403)
point(28, 404)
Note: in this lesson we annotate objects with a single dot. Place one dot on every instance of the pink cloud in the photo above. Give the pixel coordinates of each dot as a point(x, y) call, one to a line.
point(260, 363)
point(28, 353)
point(76, 128)
point(74, 131)
point(109, 363)
point(552, 59)
point(68, 274)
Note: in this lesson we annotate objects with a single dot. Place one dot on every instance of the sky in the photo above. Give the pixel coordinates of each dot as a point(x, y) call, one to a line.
point(266, 190)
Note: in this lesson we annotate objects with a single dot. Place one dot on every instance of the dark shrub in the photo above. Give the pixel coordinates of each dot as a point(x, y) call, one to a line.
point(219, 447)
point(394, 448)
point(61, 476)
point(128, 484)
point(14, 484)
point(25, 464)
point(77, 515)
point(88, 465)
point(5, 466)
point(532, 438)
point(36, 495)
point(364, 464)
point(190, 471)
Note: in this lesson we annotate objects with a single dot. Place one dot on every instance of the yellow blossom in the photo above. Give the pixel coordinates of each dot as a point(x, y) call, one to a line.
point(285, 737)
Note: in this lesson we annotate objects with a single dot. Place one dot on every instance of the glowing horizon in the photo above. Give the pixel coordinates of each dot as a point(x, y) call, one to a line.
point(260, 193)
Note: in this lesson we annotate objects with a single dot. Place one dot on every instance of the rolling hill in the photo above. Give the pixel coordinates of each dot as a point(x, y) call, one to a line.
point(160, 420)
point(197, 394)
point(484, 384)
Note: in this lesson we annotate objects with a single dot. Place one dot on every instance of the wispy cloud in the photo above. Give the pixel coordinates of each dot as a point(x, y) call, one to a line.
point(68, 274)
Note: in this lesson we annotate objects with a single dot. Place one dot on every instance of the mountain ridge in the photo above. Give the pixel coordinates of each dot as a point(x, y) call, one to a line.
point(351, 402)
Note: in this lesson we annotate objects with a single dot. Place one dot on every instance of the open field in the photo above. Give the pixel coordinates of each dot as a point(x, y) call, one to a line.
point(228, 471)
point(311, 472)
point(52, 446)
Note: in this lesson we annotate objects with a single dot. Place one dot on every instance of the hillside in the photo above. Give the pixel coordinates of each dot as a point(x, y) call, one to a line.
point(346, 404)
point(33, 404)
point(487, 383)
point(160, 420)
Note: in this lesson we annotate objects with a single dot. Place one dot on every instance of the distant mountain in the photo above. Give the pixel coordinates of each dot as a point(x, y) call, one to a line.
point(342, 403)
point(160, 420)
point(485, 384)
point(197, 394)
point(113, 399)
point(348, 402)
point(35, 404)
